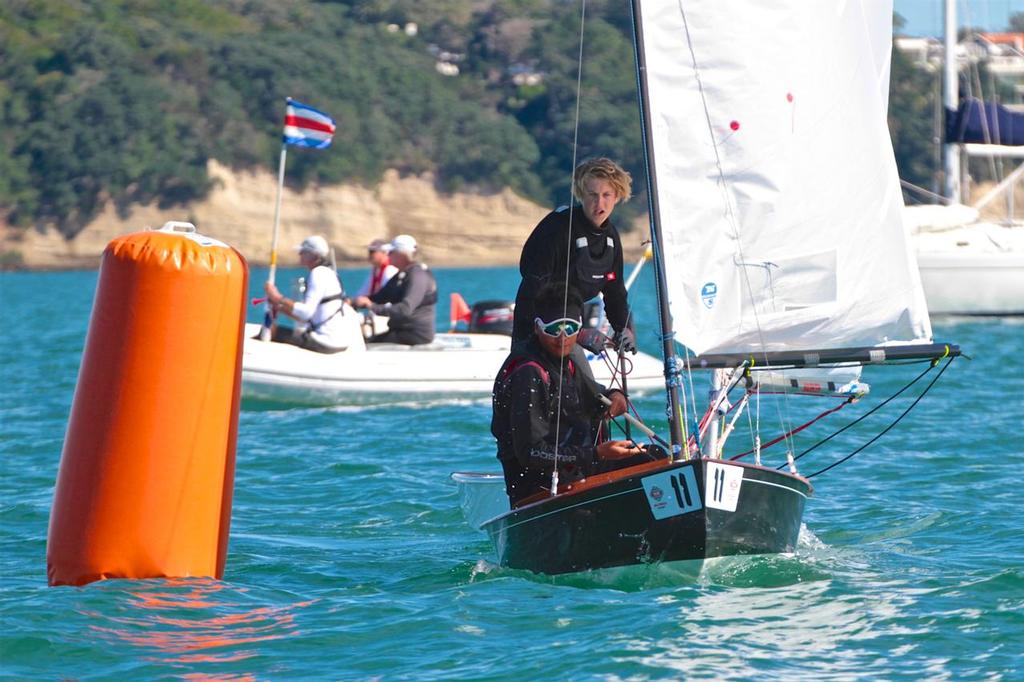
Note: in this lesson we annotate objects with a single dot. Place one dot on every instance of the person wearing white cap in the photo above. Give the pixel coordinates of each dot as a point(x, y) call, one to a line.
point(408, 300)
point(381, 270)
point(319, 312)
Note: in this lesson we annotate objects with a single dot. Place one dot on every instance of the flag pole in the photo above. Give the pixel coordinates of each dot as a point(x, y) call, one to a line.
point(268, 318)
point(307, 127)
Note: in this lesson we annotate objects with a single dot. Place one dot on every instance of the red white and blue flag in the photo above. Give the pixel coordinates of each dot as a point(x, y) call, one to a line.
point(304, 126)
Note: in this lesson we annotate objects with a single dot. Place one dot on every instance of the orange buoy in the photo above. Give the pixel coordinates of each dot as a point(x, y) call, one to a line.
point(147, 472)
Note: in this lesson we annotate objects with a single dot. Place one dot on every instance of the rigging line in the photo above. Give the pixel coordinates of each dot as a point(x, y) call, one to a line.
point(997, 161)
point(616, 381)
point(655, 438)
point(795, 430)
point(568, 247)
point(693, 398)
point(888, 428)
point(972, 78)
point(750, 423)
point(723, 394)
point(932, 195)
point(867, 414)
point(973, 71)
point(725, 196)
point(723, 184)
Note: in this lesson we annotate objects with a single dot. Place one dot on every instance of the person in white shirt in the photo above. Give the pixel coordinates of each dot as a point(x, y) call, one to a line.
point(319, 312)
point(381, 269)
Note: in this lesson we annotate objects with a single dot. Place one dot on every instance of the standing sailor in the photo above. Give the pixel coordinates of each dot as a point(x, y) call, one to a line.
point(588, 250)
point(320, 309)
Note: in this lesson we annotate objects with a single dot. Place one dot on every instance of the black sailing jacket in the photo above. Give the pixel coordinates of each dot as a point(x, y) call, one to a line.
point(409, 300)
point(526, 409)
point(595, 266)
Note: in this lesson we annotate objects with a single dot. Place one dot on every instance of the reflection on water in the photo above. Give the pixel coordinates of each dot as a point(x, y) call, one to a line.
point(188, 621)
point(820, 626)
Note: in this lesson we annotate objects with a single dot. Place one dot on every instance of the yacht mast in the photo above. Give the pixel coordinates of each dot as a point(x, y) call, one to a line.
point(950, 97)
point(675, 412)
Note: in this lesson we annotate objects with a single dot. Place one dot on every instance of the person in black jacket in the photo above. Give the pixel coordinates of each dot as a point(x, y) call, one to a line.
point(408, 300)
point(587, 250)
point(547, 411)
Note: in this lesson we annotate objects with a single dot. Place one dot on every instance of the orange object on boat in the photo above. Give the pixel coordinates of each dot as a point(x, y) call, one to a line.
point(460, 310)
point(147, 472)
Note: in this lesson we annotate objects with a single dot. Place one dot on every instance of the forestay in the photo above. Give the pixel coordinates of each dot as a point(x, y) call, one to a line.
point(779, 199)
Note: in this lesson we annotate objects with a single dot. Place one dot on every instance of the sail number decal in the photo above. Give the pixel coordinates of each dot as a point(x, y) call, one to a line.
point(722, 483)
point(672, 493)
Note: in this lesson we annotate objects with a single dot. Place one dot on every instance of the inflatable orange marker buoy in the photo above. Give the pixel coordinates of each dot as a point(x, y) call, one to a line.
point(147, 472)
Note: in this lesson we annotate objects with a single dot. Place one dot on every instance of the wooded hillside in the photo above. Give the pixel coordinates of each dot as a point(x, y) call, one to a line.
point(125, 101)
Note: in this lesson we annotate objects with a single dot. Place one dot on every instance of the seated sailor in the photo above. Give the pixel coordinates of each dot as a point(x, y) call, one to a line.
point(408, 300)
point(547, 411)
point(320, 310)
point(381, 270)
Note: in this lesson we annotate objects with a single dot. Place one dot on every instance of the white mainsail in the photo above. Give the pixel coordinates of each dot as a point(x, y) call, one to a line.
point(779, 199)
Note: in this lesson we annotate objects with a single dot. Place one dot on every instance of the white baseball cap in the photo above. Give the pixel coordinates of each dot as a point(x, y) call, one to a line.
point(316, 245)
point(404, 243)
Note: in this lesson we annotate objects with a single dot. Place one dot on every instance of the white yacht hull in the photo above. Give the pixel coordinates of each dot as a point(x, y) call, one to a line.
point(979, 284)
point(454, 366)
point(968, 266)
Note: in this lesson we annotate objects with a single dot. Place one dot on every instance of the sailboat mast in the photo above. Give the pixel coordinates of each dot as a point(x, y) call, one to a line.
point(675, 412)
point(950, 99)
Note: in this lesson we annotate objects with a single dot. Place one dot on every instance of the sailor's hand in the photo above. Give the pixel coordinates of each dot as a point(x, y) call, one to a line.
point(625, 340)
point(593, 340)
point(618, 404)
point(618, 449)
point(361, 302)
point(273, 295)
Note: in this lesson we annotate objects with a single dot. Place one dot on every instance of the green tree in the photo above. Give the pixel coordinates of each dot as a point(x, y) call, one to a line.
point(915, 121)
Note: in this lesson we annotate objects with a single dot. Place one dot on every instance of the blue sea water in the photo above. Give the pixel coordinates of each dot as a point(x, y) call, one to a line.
point(349, 558)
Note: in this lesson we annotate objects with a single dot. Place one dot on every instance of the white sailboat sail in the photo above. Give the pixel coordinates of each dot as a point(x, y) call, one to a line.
point(778, 194)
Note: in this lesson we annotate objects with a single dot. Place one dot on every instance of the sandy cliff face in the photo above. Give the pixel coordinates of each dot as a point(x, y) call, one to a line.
point(457, 229)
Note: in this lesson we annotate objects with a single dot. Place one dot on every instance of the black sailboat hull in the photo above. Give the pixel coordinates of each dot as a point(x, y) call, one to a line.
point(680, 511)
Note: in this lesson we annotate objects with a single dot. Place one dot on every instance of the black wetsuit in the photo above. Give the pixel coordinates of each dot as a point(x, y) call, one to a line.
point(408, 300)
point(526, 406)
point(595, 266)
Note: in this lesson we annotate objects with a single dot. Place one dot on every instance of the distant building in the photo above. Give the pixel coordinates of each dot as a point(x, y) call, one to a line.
point(447, 68)
point(524, 74)
point(1002, 55)
point(410, 29)
point(917, 50)
point(447, 63)
point(1005, 54)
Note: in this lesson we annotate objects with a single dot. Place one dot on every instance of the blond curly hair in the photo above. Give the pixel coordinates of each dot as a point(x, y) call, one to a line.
point(605, 169)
